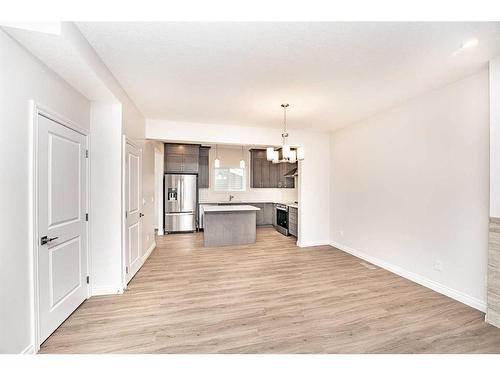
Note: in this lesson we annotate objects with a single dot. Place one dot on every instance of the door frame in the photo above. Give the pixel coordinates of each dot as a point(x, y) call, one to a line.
point(36, 110)
point(126, 140)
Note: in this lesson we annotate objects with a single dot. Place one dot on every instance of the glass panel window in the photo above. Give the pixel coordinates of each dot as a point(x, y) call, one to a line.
point(229, 179)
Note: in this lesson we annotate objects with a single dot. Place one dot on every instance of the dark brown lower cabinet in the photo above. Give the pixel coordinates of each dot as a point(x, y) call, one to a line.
point(260, 213)
point(268, 213)
point(265, 215)
point(292, 221)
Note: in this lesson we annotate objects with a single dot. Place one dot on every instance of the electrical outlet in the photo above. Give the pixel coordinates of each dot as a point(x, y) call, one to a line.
point(341, 233)
point(147, 237)
point(438, 265)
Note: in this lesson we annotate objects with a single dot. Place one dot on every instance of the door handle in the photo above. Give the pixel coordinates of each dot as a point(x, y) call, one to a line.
point(45, 240)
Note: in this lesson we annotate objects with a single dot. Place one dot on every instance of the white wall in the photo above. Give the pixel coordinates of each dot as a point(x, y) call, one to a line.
point(107, 207)
point(148, 195)
point(106, 203)
point(494, 69)
point(314, 171)
point(159, 172)
point(23, 78)
point(132, 125)
point(410, 188)
point(230, 158)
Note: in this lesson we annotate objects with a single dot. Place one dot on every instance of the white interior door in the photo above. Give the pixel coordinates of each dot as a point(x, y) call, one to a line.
point(133, 210)
point(62, 224)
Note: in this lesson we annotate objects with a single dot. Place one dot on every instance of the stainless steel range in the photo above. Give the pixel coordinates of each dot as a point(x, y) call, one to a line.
point(281, 223)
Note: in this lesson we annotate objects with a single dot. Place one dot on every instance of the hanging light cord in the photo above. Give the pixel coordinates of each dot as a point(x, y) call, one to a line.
point(285, 133)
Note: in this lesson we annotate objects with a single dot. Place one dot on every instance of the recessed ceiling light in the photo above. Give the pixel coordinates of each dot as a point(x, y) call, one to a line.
point(470, 43)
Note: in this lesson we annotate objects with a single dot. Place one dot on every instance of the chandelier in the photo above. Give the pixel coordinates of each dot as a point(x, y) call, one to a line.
point(288, 155)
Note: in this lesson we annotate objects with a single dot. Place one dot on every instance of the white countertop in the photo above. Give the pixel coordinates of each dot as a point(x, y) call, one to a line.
point(250, 201)
point(243, 207)
point(289, 204)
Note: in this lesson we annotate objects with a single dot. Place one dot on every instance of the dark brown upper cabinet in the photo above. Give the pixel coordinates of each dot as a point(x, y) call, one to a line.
point(266, 174)
point(181, 158)
point(204, 168)
point(260, 169)
point(286, 182)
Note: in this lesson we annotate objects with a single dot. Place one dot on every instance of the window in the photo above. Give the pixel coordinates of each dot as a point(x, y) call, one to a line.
point(229, 179)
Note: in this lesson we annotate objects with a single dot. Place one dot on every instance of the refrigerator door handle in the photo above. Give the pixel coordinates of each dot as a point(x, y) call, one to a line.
point(181, 181)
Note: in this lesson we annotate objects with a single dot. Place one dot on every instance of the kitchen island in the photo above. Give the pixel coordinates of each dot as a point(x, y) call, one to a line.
point(229, 225)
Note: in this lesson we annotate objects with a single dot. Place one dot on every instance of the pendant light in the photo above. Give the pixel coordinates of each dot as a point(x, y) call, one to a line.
point(270, 153)
point(216, 161)
point(276, 157)
point(300, 153)
point(242, 161)
point(288, 155)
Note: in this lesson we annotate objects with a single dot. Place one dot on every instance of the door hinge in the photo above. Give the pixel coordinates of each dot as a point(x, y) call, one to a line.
point(126, 269)
point(87, 154)
point(86, 217)
point(126, 214)
point(88, 279)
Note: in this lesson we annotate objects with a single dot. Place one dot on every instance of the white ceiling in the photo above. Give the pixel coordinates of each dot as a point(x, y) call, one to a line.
point(332, 74)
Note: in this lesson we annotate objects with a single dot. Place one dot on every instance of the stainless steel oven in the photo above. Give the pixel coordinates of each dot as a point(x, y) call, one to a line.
point(281, 222)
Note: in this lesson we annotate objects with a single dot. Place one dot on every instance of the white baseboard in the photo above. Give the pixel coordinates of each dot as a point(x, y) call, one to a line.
point(492, 317)
point(103, 290)
point(312, 243)
point(148, 252)
point(146, 255)
point(30, 349)
point(419, 279)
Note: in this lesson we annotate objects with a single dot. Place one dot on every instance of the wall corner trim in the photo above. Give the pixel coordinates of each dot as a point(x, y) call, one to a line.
point(103, 290)
point(30, 349)
point(419, 279)
point(492, 317)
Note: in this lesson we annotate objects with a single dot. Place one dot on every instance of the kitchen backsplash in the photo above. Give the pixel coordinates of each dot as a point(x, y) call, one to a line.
point(257, 195)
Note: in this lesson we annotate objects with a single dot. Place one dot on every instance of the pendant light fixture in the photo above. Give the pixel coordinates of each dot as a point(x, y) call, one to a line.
point(288, 155)
point(216, 161)
point(242, 161)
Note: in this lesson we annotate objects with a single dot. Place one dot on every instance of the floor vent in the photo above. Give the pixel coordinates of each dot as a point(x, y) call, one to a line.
point(368, 265)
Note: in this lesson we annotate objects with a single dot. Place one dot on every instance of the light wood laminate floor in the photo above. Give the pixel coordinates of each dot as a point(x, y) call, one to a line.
point(270, 297)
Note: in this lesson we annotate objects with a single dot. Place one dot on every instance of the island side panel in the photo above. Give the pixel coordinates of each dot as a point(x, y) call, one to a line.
point(229, 228)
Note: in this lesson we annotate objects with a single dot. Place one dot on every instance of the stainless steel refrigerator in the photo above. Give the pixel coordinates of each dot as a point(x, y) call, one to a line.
point(180, 202)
